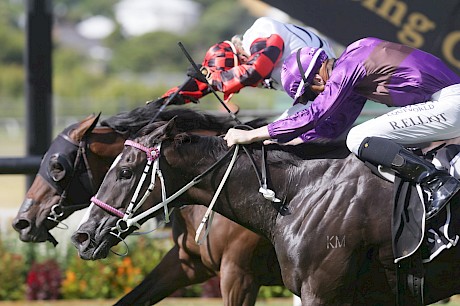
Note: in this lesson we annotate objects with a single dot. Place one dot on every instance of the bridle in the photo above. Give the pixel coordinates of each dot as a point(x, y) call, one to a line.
point(152, 166)
point(128, 218)
point(75, 192)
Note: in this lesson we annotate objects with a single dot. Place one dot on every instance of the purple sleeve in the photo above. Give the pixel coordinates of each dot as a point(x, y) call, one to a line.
point(338, 122)
point(332, 112)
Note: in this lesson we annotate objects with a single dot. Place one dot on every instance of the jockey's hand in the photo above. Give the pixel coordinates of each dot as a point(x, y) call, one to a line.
point(237, 136)
point(201, 75)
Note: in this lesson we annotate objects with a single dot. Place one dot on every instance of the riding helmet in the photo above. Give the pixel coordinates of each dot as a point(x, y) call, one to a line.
point(221, 56)
point(299, 69)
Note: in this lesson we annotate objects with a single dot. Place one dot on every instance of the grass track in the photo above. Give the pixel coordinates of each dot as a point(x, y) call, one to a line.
point(166, 302)
point(455, 301)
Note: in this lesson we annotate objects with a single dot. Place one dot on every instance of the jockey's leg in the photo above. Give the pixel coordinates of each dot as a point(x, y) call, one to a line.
point(385, 152)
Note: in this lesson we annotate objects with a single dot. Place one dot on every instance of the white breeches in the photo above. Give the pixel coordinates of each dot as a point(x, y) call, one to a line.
point(429, 121)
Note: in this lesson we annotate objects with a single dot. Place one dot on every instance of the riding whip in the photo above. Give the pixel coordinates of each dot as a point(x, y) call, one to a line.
point(267, 193)
point(170, 98)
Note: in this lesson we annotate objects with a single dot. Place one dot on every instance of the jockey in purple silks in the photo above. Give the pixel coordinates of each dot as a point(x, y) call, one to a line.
point(425, 90)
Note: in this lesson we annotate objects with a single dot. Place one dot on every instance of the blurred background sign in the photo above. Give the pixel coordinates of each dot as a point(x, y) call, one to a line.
point(433, 26)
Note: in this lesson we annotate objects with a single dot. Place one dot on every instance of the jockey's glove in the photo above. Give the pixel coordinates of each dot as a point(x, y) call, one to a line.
point(202, 75)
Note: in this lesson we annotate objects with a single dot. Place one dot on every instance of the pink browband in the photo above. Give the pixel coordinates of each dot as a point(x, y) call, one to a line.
point(147, 151)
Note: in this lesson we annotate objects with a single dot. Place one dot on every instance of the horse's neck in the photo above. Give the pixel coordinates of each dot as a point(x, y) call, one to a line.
point(295, 185)
point(231, 203)
point(240, 199)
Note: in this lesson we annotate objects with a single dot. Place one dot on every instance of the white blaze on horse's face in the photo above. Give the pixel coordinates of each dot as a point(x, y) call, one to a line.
point(88, 210)
point(115, 162)
point(86, 216)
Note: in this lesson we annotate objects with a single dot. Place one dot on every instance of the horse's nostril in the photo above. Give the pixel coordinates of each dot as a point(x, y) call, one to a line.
point(21, 224)
point(81, 237)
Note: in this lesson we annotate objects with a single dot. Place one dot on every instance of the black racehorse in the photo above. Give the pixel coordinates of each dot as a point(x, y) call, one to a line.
point(73, 169)
point(330, 229)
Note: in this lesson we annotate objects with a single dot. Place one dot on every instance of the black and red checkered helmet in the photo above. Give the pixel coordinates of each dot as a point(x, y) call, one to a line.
point(221, 56)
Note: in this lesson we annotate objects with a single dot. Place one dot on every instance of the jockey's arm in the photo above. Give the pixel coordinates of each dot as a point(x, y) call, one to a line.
point(265, 54)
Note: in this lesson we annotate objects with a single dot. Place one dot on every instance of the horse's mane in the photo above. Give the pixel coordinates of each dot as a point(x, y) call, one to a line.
point(281, 156)
point(131, 122)
point(276, 154)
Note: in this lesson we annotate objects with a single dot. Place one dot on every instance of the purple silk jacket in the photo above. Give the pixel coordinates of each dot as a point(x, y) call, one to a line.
point(370, 68)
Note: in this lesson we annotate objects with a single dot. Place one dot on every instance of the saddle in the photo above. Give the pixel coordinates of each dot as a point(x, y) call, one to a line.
point(416, 241)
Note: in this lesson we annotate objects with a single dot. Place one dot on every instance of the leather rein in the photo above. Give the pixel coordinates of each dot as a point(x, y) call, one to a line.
point(128, 218)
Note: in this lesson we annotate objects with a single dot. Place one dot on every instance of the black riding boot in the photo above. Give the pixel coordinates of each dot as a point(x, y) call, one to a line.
point(438, 183)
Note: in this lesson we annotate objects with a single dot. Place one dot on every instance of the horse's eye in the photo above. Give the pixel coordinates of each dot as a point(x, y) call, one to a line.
point(125, 174)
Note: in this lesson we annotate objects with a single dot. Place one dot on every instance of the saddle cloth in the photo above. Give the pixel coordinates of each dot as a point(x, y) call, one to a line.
point(410, 231)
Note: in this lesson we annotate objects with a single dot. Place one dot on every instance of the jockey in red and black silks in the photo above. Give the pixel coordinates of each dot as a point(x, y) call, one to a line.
point(259, 57)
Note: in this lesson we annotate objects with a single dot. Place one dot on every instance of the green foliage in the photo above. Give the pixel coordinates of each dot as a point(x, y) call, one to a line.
point(9, 12)
point(11, 80)
point(152, 51)
point(274, 292)
point(116, 38)
point(116, 275)
point(52, 274)
point(159, 51)
point(213, 28)
point(66, 61)
point(146, 252)
point(12, 274)
point(206, 3)
point(76, 10)
point(98, 279)
point(12, 48)
point(82, 85)
point(77, 83)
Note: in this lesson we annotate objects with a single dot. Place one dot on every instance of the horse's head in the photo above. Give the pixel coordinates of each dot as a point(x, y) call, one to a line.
point(135, 184)
point(68, 174)
point(130, 187)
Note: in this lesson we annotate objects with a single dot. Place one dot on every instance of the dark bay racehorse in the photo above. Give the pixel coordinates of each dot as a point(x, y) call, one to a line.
point(243, 260)
point(70, 172)
point(331, 230)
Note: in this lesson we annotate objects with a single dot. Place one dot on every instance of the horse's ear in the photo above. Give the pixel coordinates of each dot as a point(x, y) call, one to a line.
point(95, 121)
point(85, 127)
point(167, 130)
